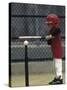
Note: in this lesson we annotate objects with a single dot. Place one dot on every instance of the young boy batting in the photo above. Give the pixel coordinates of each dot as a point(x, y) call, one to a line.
point(54, 39)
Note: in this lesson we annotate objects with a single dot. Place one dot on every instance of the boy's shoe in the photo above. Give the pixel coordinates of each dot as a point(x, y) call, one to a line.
point(56, 81)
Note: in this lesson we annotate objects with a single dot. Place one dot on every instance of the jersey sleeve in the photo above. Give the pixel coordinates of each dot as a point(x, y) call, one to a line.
point(55, 32)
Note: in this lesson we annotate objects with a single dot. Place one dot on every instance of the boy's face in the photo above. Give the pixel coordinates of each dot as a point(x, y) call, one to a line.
point(49, 25)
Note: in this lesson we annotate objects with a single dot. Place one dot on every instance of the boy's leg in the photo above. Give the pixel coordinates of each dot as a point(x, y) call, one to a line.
point(58, 67)
point(58, 70)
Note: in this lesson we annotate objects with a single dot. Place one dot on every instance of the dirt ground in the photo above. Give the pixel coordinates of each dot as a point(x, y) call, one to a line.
point(34, 79)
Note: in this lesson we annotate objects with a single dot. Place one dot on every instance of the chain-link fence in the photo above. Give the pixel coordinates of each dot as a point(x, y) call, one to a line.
point(30, 20)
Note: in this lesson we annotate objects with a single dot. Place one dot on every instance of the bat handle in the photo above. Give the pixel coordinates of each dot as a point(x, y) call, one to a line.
point(43, 37)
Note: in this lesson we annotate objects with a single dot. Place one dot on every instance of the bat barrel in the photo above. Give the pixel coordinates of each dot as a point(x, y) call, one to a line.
point(29, 37)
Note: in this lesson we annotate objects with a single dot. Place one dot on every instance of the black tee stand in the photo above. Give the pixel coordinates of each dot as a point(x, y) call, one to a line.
point(26, 67)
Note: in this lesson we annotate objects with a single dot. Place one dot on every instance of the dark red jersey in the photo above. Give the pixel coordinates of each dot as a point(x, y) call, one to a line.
point(55, 43)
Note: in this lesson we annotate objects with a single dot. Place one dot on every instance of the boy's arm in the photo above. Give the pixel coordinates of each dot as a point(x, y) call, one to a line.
point(53, 34)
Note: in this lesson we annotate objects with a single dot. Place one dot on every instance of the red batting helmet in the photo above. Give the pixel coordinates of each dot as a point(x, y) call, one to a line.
point(53, 20)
